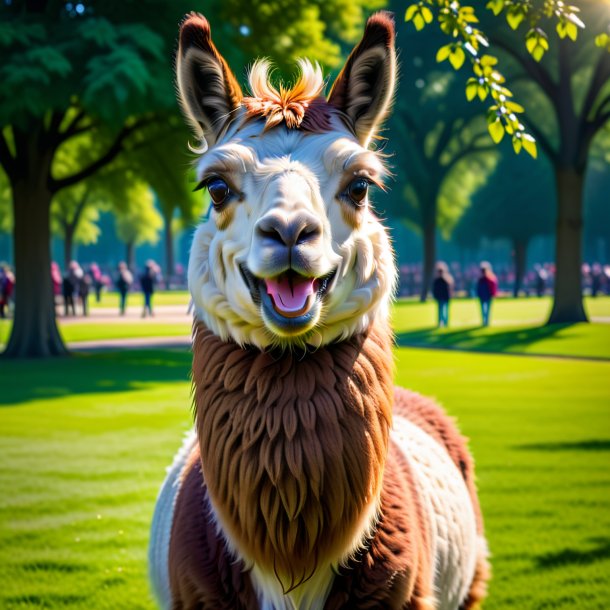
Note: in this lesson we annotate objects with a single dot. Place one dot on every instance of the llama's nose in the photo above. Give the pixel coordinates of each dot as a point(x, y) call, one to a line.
point(293, 230)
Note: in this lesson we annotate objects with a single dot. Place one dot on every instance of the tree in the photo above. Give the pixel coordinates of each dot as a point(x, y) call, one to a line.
point(73, 218)
point(103, 68)
point(560, 74)
point(139, 222)
point(94, 67)
point(516, 203)
point(441, 143)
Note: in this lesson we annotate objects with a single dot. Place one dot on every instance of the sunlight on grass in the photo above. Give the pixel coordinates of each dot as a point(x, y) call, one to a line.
point(84, 443)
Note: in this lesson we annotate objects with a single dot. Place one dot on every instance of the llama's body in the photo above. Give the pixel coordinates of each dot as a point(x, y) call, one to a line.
point(311, 482)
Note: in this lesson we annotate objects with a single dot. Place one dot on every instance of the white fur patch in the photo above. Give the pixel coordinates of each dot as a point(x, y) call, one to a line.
point(161, 527)
point(445, 498)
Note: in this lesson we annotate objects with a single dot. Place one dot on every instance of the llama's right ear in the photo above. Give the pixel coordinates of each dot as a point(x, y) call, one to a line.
point(365, 87)
point(209, 92)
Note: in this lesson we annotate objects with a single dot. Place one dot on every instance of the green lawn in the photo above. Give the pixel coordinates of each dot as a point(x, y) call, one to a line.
point(84, 443)
point(516, 327)
point(110, 300)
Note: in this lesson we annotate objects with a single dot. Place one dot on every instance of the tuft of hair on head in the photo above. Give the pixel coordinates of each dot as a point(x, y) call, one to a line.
point(299, 107)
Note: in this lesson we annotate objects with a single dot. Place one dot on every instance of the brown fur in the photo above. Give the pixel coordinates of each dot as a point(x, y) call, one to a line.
point(292, 448)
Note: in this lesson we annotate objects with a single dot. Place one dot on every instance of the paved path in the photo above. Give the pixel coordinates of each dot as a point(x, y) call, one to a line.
point(166, 314)
point(183, 342)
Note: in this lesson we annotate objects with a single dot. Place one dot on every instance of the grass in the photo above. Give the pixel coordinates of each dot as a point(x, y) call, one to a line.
point(84, 443)
point(516, 326)
point(110, 300)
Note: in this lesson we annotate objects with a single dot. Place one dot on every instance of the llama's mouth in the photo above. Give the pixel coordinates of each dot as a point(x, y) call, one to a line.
point(290, 300)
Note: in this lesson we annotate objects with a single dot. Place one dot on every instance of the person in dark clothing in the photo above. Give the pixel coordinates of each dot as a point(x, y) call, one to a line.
point(84, 285)
point(442, 287)
point(487, 287)
point(7, 284)
point(147, 283)
point(123, 283)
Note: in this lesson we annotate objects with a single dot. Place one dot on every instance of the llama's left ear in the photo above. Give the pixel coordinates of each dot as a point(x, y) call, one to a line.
point(365, 87)
point(208, 91)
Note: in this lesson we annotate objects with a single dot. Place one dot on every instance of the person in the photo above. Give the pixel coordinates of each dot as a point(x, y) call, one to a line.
point(69, 286)
point(96, 279)
point(541, 278)
point(487, 287)
point(123, 283)
point(56, 279)
point(84, 284)
point(7, 284)
point(597, 278)
point(442, 287)
point(147, 283)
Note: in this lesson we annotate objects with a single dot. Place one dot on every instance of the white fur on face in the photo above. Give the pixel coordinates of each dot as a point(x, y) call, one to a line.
point(290, 174)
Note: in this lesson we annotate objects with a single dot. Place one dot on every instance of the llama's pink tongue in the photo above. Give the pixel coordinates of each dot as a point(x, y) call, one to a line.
point(290, 294)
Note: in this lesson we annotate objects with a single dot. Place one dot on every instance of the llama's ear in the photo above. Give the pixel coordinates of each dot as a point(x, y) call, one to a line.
point(365, 87)
point(208, 90)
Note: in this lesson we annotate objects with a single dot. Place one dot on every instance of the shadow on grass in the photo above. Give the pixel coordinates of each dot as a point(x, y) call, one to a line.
point(569, 556)
point(27, 380)
point(478, 338)
point(595, 444)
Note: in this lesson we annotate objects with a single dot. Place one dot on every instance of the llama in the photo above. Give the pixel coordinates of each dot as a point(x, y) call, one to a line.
point(310, 482)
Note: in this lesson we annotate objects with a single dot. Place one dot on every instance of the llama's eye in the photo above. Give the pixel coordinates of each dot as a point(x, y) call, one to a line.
point(219, 191)
point(357, 190)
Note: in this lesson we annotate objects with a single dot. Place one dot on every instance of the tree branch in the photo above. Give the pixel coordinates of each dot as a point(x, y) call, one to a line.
point(465, 152)
point(599, 78)
point(544, 142)
point(6, 158)
point(105, 159)
point(533, 68)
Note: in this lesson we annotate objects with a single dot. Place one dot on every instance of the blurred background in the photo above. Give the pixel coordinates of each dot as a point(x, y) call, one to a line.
point(97, 211)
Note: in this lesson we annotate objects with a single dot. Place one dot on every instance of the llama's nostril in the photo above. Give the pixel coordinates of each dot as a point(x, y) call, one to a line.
point(271, 234)
point(309, 233)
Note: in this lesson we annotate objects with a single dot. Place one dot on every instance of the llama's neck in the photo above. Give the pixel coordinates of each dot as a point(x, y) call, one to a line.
point(293, 447)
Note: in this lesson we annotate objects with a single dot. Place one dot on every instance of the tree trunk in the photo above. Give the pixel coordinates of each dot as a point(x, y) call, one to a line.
point(130, 255)
point(68, 244)
point(34, 333)
point(520, 248)
point(568, 304)
point(429, 236)
point(169, 250)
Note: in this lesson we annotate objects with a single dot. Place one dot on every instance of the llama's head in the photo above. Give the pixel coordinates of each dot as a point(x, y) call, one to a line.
point(292, 253)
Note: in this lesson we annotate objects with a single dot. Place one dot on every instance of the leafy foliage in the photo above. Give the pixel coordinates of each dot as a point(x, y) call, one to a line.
point(140, 222)
point(459, 22)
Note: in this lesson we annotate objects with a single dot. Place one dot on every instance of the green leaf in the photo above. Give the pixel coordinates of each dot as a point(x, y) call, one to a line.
point(496, 130)
point(517, 143)
point(457, 58)
point(426, 14)
point(414, 8)
point(572, 30)
point(603, 40)
point(443, 53)
point(529, 144)
point(471, 89)
point(418, 21)
point(515, 16)
point(513, 107)
point(497, 6)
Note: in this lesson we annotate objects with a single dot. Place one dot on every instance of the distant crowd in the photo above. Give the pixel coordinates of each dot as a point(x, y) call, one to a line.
point(539, 280)
point(596, 280)
point(76, 284)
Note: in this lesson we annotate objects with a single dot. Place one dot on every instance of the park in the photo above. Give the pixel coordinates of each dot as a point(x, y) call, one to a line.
point(100, 359)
